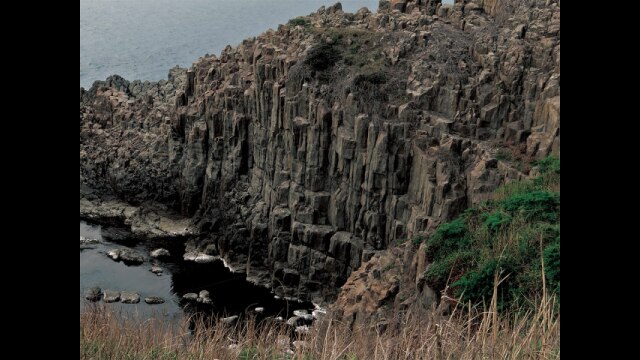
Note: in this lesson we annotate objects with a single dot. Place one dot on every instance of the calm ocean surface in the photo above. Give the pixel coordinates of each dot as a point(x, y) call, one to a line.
point(143, 39)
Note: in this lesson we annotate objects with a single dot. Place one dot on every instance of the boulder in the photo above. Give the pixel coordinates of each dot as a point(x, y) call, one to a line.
point(129, 297)
point(110, 296)
point(159, 253)
point(152, 300)
point(93, 293)
point(190, 296)
point(128, 256)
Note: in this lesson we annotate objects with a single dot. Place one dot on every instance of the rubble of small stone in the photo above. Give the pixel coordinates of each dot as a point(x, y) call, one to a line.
point(302, 155)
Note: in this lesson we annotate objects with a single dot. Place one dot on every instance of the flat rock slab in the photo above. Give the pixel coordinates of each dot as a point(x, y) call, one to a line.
point(200, 258)
point(110, 296)
point(152, 300)
point(128, 256)
point(127, 297)
point(190, 296)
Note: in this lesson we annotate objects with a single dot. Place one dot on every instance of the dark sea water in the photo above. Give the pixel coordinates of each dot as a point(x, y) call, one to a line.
point(231, 293)
point(143, 39)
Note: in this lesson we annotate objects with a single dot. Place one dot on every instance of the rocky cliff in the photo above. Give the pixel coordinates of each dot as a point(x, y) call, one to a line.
point(306, 151)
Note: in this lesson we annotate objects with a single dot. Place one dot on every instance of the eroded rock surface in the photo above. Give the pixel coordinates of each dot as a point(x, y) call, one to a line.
point(308, 151)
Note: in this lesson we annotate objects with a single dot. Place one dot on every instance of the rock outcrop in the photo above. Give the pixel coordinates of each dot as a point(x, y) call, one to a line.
point(304, 152)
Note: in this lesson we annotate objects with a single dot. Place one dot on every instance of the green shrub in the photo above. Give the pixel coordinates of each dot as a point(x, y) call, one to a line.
point(510, 235)
point(322, 56)
point(375, 78)
point(477, 285)
point(298, 21)
point(549, 164)
point(249, 353)
point(552, 265)
point(418, 240)
point(448, 238)
point(535, 205)
point(496, 220)
point(451, 267)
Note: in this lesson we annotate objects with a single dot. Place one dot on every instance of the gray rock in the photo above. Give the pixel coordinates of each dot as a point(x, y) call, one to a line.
point(293, 321)
point(128, 256)
point(203, 294)
point(190, 256)
point(156, 270)
point(152, 300)
point(93, 293)
point(314, 179)
point(114, 254)
point(318, 313)
point(158, 253)
point(110, 296)
point(129, 297)
point(259, 310)
point(300, 312)
point(190, 296)
point(87, 243)
point(204, 259)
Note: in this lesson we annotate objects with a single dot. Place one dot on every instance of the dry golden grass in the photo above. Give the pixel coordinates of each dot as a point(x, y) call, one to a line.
point(468, 333)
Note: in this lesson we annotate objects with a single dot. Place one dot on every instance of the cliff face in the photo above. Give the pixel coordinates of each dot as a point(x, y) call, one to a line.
point(302, 153)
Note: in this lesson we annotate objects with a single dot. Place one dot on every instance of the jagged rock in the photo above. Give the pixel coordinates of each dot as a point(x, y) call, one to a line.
point(302, 177)
point(158, 253)
point(152, 300)
point(128, 297)
point(110, 296)
point(93, 293)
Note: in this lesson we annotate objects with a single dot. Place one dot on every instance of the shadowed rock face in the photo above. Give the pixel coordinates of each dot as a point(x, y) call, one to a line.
point(300, 154)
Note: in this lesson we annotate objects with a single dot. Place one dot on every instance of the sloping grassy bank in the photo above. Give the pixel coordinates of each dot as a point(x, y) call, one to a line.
point(513, 238)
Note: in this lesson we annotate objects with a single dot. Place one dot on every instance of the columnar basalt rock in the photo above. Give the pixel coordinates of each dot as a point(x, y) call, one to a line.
point(297, 175)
